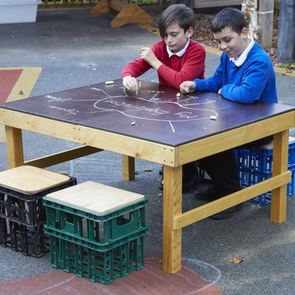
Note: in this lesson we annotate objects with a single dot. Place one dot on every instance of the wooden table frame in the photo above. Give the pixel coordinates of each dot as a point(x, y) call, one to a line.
point(95, 140)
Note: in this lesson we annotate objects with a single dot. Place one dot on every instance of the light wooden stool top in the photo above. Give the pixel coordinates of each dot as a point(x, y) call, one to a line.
point(94, 197)
point(29, 179)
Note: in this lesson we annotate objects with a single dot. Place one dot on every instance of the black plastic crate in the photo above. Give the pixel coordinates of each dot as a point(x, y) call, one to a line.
point(30, 240)
point(27, 208)
point(22, 219)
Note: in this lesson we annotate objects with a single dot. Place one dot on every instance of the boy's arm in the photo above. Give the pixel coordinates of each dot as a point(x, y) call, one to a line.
point(252, 84)
point(212, 84)
point(135, 68)
point(193, 67)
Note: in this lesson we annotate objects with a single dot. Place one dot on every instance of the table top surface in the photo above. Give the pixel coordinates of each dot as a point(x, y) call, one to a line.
point(156, 114)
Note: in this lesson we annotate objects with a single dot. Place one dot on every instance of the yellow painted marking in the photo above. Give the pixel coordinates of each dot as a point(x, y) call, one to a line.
point(25, 83)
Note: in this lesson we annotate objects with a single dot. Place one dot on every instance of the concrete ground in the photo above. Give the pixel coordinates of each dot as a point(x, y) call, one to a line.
point(75, 50)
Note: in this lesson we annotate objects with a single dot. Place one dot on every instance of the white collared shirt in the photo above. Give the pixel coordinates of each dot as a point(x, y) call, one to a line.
point(241, 59)
point(179, 53)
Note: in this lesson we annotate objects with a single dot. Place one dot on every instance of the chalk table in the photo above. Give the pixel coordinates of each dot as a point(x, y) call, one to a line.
point(158, 126)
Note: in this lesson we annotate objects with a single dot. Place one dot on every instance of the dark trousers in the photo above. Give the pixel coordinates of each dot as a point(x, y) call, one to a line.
point(222, 167)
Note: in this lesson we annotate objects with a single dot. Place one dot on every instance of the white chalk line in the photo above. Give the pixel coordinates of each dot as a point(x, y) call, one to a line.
point(198, 262)
point(56, 285)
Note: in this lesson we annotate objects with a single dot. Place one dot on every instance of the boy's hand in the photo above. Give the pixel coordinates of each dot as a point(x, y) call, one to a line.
point(187, 87)
point(130, 83)
point(148, 55)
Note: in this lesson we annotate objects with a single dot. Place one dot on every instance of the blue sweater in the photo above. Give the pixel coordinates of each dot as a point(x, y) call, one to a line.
point(253, 80)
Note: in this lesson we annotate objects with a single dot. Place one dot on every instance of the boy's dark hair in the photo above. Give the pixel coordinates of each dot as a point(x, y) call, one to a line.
point(179, 14)
point(229, 18)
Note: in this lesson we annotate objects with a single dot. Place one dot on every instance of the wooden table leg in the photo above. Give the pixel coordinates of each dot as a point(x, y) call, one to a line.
point(172, 206)
point(14, 147)
point(128, 165)
point(280, 165)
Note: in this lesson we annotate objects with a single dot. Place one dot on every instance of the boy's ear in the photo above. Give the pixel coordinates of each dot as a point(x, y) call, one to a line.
point(189, 32)
point(245, 32)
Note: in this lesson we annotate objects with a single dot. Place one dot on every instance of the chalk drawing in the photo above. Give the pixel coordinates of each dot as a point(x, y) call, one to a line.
point(140, 108)
point(54, 286)
point(207, 265)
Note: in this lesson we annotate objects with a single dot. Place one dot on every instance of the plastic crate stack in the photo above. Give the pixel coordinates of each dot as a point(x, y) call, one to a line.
point(255, 165)
point(22, 214)
point(96, 231)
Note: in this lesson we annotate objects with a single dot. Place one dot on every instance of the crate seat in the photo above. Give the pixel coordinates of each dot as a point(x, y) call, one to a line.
point(96, 231)
point(22, 214)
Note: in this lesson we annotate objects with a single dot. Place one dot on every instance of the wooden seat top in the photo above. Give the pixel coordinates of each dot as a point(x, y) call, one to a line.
point(94, 197)
point(29, 179)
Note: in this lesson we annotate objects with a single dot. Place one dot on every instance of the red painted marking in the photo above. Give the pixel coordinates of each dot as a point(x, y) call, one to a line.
point(8, 78)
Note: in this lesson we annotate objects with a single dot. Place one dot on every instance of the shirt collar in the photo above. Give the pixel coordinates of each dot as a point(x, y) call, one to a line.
point(179, 53)
point(241, 59)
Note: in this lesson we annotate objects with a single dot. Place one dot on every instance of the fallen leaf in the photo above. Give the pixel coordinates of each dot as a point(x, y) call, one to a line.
point(63, 172)
point(21, 93)
point(236, 260)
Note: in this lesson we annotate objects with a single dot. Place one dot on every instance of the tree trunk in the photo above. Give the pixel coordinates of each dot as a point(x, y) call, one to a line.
point(249, 8)
point(286, 32)
point(265, 21)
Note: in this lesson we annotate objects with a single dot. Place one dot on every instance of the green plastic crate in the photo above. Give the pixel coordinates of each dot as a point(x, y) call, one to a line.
point(97, 266)
point(98, 232)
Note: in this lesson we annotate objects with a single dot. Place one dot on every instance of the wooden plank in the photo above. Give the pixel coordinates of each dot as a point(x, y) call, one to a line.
point(202, 212)
point(101, 8)
point(280, 165)
point(236, 137)
point(30, 179)
point(105, 6)
point(113, 142)
point(14, 147)
point(63, 156)
point(131, 13)
point(215, 3)
point(172, 206)
point(128, 167)
point(95, 197)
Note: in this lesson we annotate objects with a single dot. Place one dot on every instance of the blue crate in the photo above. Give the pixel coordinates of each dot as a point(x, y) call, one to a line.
point(261, 158)
point(250, 177)
point(255, 165)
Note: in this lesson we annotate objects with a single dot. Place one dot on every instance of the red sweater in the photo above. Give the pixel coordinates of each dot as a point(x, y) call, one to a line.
point(174, 70)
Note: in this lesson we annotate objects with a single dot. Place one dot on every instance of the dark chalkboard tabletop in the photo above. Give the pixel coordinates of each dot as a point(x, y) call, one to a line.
point(156, 114)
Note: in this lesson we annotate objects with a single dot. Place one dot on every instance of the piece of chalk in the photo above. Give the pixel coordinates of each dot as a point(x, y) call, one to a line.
point(133, 123)
point(109, 82)
point(178, 94)
point(213, 117)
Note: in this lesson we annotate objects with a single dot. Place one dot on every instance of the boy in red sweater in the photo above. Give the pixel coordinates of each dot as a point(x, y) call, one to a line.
point(176, 58)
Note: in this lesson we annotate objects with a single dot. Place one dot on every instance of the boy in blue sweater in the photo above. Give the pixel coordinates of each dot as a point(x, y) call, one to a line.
point(245, 75)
